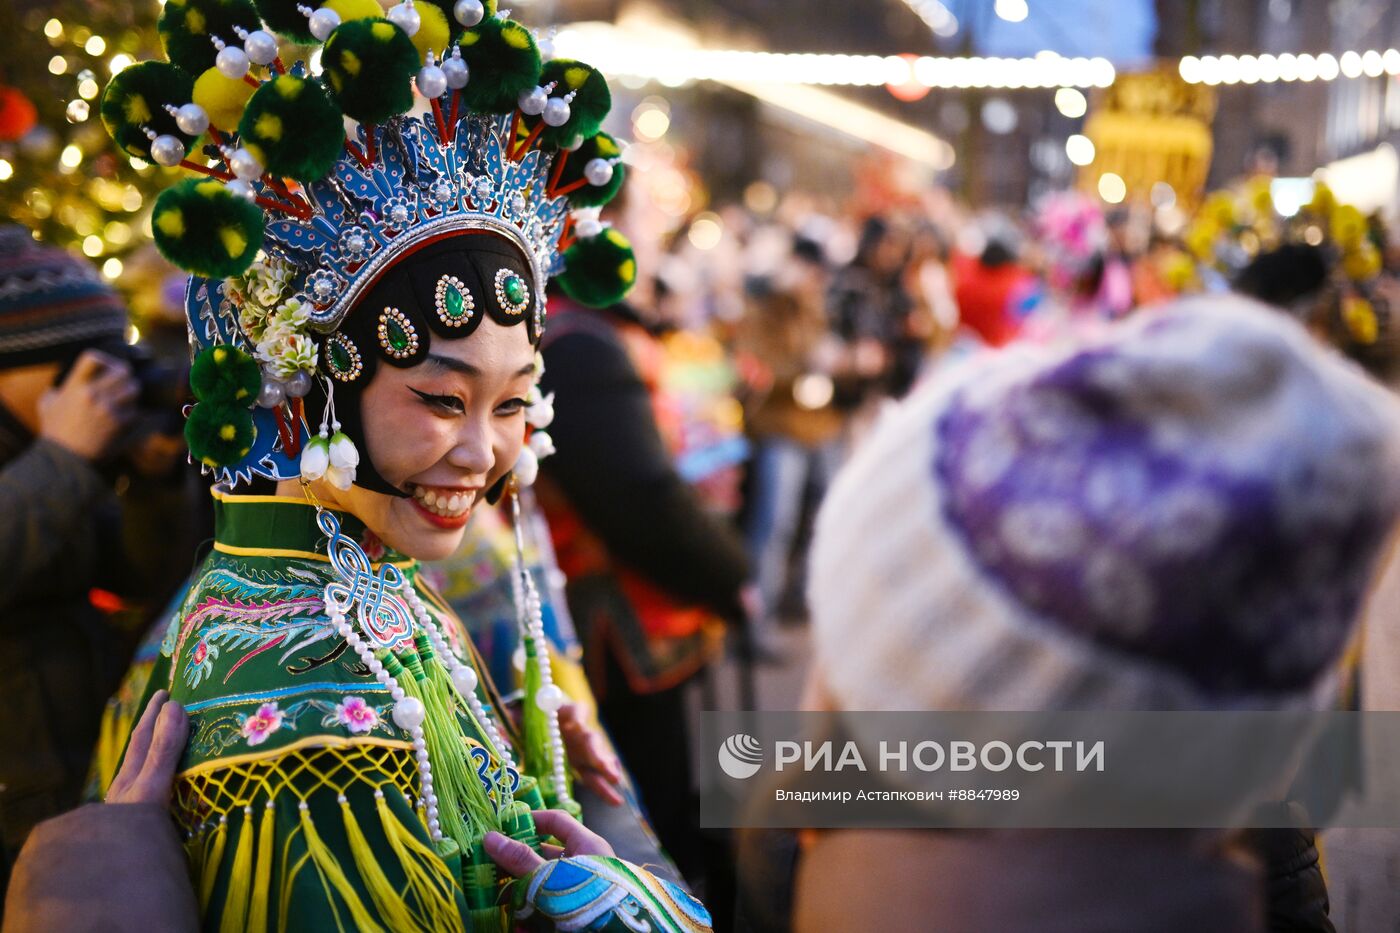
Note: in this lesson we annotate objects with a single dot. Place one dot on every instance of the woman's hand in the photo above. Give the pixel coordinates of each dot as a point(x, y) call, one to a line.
point(152, 754)
point(517, 859)
point(589, 756)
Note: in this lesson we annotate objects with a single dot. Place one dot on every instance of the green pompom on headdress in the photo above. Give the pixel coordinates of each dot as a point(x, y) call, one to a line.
point(369, 64)
point(504, 62)
point(225, 375)
point(135, 101)
point(589, 101)
point(293, 128)
point(188, 29)
point(219, 434)
point(600, 270)
point(203, 227)
point(220, 428)
point(573, 177)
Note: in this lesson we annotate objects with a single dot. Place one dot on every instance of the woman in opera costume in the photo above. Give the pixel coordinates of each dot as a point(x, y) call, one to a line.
point(364, 313)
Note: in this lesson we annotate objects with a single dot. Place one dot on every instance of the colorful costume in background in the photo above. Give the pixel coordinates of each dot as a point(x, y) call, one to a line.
point(347, 750)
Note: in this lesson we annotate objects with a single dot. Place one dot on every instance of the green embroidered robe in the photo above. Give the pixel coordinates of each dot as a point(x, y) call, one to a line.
point(298, 794)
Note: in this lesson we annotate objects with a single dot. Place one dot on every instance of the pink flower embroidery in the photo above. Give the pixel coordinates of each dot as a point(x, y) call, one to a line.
point(257, 727)
point(201, 651)
point(356, 715)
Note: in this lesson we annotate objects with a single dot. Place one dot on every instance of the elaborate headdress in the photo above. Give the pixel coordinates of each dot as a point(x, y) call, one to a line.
point(294, 227)
point(1323, 263)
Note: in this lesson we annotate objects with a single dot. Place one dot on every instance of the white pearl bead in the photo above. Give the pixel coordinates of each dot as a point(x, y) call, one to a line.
point(299, 384)
point(465, 678)
point(409, 713)
point(469, 12)
point(598, 172)
point(242, 189)
point(323, 22)
point(435, 826)
point(550, 698)
point(405, 17)
point(271, 394)
point(244, 165)
point(232, 62)
point(532, 102)
point(456, 72)
point(397, 693)
point(167, 150)
point(431, 81)
point(191, 119)
point(260, 47)
point(589, 228)
point(556, 112)
point(376, 665)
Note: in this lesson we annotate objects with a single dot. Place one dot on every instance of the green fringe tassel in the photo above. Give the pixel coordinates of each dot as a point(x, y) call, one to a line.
point(535, 723)
point(464, 810)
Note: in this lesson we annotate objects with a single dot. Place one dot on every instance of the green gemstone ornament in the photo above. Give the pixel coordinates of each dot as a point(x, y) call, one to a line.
point(344, 358)
point(453, 301)
point(511, 292)
point(515, 290)
point(398, 338)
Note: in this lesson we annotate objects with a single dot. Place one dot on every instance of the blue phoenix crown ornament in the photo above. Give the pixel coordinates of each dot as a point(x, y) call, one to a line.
point(418, 190)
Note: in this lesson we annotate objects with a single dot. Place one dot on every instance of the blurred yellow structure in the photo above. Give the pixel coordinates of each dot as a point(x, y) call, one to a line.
point(1148, 128)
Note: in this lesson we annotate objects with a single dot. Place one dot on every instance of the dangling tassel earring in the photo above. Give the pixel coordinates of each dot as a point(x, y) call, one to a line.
point(545, 758)
point(331, 453)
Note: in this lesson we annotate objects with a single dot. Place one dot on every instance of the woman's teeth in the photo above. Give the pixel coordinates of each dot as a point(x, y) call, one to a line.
point(444, 503)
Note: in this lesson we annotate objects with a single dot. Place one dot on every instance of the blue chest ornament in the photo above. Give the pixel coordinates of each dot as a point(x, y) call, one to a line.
point(382, 615)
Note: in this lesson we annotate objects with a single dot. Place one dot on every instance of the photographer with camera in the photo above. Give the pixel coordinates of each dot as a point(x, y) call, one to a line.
point(68, 399)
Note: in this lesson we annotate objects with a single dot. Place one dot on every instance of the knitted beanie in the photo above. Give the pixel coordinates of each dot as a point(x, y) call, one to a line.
point(53, 305)
point(1184, 514)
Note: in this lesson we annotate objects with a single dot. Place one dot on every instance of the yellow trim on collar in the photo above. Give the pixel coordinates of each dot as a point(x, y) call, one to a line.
point(238, 551)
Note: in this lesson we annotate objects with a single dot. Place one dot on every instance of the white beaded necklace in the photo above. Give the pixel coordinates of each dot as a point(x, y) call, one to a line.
point(374, 596)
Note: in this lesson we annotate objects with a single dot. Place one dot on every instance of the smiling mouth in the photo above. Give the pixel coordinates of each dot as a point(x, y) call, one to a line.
point(445, 507)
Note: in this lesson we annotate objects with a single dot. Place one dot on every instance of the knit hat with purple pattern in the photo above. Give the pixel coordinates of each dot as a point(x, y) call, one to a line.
point(1184, 514)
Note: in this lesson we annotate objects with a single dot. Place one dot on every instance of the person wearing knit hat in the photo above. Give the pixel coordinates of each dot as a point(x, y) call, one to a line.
point(58, 662)
point(53, 305)
point(1182, 515)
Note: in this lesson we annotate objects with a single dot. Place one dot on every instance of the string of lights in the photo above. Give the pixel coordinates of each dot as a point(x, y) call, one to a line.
point(1267, 69)
point(676, 67)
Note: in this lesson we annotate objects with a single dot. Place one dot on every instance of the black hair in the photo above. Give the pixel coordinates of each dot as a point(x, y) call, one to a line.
point(1284, 276)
